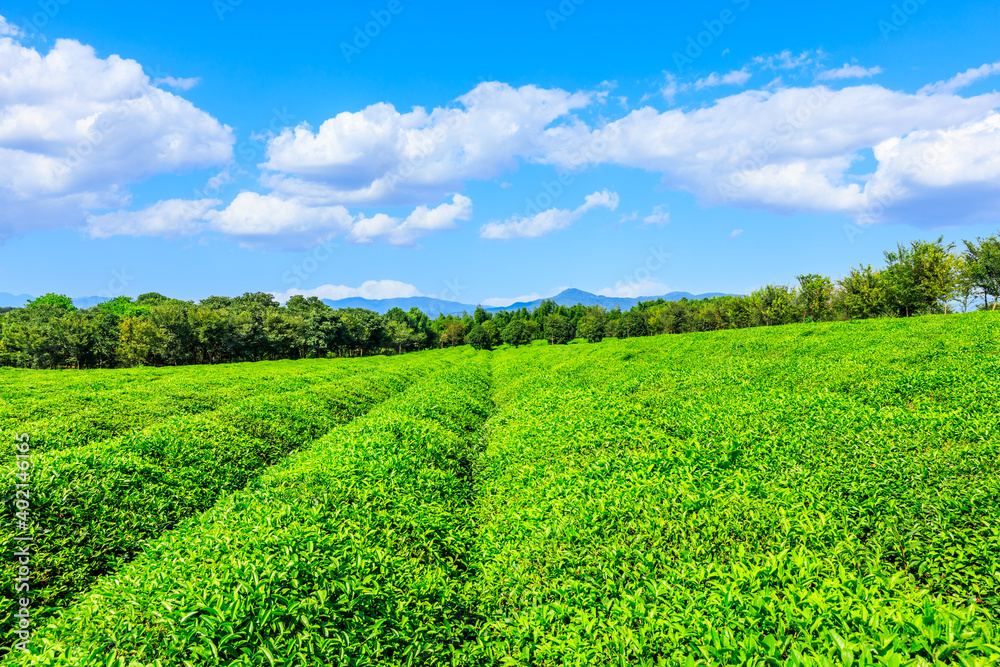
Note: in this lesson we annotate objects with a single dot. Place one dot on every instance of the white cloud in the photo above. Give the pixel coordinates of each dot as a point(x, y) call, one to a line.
point(962, 80)
point(939, 177)
point(381, 156)
point(790, 150)
point(634, 290)
point(265, 219)
point(848, 72)
point(735, 233)
point(421, 222)
point(548, 221)
point(787, 60)
point(169, 219)
point(502, 302)
point(9, 29)
point(76, 130)
point(269, 220)
point(371, 289)
point(736, 77)
point(176, 83)
point(659, 216)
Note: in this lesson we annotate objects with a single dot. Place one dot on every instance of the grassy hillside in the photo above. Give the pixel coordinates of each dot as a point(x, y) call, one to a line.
point(809, 494)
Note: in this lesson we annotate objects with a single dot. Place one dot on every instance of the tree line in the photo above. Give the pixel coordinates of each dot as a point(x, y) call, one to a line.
point(49, 332)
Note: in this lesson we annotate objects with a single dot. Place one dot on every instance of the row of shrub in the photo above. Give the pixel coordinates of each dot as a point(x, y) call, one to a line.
point(67, 409)
point(819, 495)
point(95, 506)
point(357, 551)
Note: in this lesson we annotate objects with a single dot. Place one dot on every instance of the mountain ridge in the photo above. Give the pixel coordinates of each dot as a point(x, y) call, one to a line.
point(432, 306)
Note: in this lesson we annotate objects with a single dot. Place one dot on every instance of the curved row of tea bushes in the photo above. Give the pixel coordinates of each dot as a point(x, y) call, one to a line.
point(805, 495)
point(96, 506)
point(72, 408)
point(356, 551)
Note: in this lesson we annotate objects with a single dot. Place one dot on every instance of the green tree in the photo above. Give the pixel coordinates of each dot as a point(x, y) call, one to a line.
point(479, 338)
point(920, 277)
point(59, 302)
point(481, 315)
point(559, 330)
point(140, 342)
point(402, 335)
point(494, 330)
point(982, 261)
point(592, 324)
point(814, 297)
point(517, 333)
point(863, 292)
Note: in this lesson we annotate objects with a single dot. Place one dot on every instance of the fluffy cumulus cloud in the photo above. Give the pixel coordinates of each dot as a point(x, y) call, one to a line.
point(270, 220)
point(547, 221)
point(76, 130)
point(170, 219)
point(792, 149)
point(381, 156)
point(371, 289)
point(421, 222)
point(848, 72)
point(7, 29)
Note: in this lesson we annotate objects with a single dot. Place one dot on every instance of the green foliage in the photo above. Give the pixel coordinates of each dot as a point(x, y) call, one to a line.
point(817, 494)
point(479, 338)
point(517, 333)
point(982, 261)
point(51, 300)
point(559, 330)
point(920, 277)
point(864, 292)
point(96, 502)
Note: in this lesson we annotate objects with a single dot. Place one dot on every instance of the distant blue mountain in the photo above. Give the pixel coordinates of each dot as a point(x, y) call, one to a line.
point(432, 307)
point(89, 301)
point(8, 300)
point(570, 297)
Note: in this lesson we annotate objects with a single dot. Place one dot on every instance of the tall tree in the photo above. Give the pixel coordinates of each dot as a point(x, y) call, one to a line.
point(479, 338)
point(982, 260)
point(814, 297)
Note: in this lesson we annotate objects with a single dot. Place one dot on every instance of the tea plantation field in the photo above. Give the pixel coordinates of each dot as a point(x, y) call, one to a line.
point(822, 494)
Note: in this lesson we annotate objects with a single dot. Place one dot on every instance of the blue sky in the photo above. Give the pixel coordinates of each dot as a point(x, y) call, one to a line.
point(483, 152)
